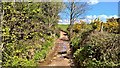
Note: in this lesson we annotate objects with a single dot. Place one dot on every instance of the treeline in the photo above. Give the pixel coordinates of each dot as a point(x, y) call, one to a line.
point(28, 31)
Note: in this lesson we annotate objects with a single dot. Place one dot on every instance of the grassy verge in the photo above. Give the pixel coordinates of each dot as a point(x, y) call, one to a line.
point(63, 26)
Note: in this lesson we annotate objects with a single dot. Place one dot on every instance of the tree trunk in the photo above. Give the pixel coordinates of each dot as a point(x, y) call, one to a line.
point(71, 30)
point(71, 20)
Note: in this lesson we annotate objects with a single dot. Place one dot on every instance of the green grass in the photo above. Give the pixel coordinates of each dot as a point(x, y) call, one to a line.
point(63, 26)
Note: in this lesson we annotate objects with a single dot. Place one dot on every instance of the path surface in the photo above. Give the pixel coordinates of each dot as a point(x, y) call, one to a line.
point(60, 55)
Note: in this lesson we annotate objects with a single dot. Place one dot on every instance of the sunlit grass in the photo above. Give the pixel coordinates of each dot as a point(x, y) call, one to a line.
point(63, 26)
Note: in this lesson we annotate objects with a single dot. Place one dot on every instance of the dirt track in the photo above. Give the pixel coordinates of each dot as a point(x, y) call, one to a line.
point(60, 55)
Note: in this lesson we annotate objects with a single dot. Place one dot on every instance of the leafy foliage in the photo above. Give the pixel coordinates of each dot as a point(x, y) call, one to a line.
point(99, 50)
point(80, 34)
point(111, 26)
point(28, 31)
point(92, 48)
point(80, 26)
point(96, 24)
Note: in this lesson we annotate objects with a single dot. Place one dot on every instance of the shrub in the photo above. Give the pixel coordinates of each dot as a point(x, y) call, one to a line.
point(27, 31)
point(111, 27)
point(100, 50)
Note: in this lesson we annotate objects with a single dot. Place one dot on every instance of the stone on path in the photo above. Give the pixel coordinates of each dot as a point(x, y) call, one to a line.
point(62, 52)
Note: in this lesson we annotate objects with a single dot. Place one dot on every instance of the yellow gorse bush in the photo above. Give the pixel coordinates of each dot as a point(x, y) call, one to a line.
point(77, 26)
point(97, 23)
point(111, 26)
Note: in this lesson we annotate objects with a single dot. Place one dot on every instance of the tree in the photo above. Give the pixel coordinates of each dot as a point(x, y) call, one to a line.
point(75, 9)
point(50, 13)
point(25, 30)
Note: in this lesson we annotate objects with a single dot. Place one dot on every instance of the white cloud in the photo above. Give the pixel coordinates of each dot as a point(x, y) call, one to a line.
point(65, 21)
point(92, 2)
point(115, 16)
point(102, 17)
point(60, 21)
point(88, 18)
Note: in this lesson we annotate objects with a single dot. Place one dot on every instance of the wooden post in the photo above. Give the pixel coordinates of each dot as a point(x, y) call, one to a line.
point(101, 27)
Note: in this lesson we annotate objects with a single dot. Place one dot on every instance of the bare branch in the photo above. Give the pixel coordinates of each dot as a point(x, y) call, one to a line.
point(76, 9)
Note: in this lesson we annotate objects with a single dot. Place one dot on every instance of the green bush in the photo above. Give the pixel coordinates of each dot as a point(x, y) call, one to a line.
point(77, 39)
point(41, 54)
point(100, 50)
point(27, 31)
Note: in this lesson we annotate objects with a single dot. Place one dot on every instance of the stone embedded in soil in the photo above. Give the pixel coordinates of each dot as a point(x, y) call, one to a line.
point(66, 59)
point(42, 60)
point(64, 55)
point(54, 57)
point(58, 55)
point(62, 51)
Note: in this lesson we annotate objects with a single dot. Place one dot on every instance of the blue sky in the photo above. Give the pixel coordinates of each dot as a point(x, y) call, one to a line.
point(102, 10)
point(107, 8)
